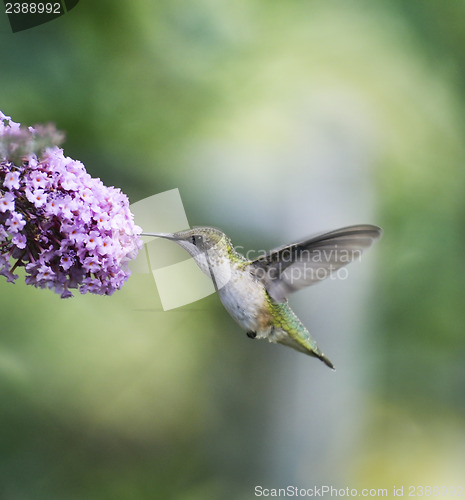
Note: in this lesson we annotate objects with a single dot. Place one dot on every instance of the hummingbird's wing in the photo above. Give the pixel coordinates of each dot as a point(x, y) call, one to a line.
point(289, 268)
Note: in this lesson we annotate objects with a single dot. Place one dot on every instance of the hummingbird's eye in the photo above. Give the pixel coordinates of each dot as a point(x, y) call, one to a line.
point(193, 239)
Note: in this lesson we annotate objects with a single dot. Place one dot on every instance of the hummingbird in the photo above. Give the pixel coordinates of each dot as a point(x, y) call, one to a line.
point(255, 292)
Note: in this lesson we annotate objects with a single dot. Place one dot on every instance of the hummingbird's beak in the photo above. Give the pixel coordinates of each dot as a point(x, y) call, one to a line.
point(167, 236)
point(158, 235)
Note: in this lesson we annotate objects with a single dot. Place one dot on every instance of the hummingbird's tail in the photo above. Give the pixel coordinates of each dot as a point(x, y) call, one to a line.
point(306, 345)
point(323, 358)
point(290, 331)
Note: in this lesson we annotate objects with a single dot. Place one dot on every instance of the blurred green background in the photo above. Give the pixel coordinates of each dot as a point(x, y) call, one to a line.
point(275, 120)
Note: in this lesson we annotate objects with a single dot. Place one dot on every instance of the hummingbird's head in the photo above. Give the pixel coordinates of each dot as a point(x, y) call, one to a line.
point(208, 246)
point(198, 240)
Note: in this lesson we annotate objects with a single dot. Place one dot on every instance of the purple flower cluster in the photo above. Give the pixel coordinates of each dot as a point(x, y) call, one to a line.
point(67, 229)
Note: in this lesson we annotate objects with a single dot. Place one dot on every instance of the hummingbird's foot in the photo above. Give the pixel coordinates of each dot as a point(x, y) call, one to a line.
point(251, 335)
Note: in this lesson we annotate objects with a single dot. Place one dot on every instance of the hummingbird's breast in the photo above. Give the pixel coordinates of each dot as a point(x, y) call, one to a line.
point(245, 300)
point(243, 296)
